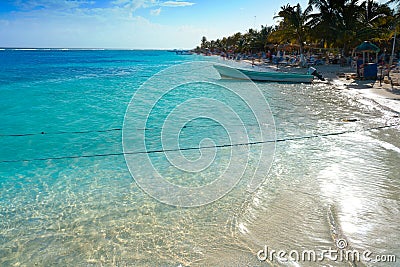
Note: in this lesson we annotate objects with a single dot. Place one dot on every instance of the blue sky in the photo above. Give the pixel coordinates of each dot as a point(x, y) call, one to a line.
point(132, 24)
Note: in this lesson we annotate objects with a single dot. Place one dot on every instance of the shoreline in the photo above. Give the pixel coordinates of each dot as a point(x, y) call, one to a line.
point(383, 93)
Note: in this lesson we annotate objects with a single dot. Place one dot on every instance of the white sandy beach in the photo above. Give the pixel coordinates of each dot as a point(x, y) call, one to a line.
point(385, 94)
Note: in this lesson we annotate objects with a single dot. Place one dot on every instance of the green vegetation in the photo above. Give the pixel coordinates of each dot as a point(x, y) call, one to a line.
point(335, 25)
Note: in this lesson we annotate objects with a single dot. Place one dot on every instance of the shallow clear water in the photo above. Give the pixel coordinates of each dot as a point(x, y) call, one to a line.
point(58, 208)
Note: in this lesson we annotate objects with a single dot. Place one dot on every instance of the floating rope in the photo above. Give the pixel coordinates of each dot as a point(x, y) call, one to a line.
point(205, 147)
point(62, 132)
point(115, 129)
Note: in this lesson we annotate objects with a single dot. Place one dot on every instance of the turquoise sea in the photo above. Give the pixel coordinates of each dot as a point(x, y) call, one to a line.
point(68, 196)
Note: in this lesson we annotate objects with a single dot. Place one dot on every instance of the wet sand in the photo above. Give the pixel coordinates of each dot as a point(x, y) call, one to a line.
point(384, 92)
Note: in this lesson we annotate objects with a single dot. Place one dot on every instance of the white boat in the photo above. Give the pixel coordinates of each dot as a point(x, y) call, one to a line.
point(183, 52)
point(265, 76)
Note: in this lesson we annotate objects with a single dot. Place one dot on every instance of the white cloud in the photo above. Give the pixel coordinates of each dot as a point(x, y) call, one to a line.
point(136, 4)
point(120, 2)
point(77, 24)
point(51, 4)
point(176, 3)
point(155, 12)
point(133, 5)
point(99, 28)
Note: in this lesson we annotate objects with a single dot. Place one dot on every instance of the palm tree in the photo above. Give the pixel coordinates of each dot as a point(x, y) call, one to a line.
point(348, 24)
point(236, 42)
point(203, 42)
point(340, 21)
point(334, 24)
point(394, 1)
point(324, 23)
point(250, 41)
point(263, 37)
point(376, 20)
point(295, 24)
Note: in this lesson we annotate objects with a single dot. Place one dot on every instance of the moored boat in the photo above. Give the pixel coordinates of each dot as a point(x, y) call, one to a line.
point(265, 76)
point(183, 52)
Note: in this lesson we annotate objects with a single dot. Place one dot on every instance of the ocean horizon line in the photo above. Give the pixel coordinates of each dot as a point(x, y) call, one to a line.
point(86, 49)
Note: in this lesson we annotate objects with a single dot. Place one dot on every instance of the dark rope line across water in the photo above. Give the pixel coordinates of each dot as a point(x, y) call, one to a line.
point(63, 132)
point(197, 148)
point(155, 128)
point(113, 129)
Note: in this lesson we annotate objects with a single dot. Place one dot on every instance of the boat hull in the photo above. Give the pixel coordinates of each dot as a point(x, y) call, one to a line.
point(263, 76)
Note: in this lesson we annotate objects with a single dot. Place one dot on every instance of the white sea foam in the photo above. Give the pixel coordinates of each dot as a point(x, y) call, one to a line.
point(25, 49)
